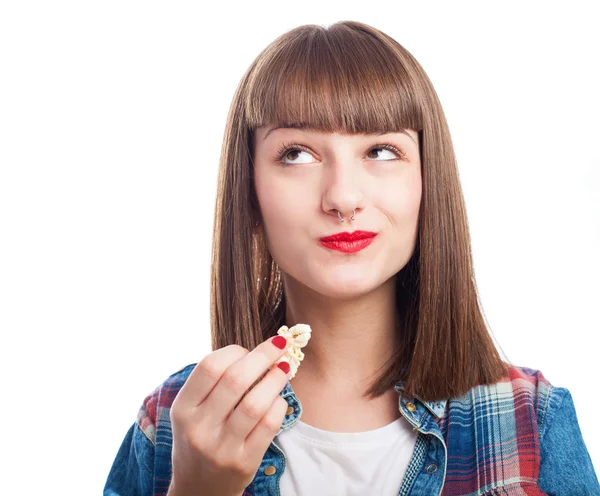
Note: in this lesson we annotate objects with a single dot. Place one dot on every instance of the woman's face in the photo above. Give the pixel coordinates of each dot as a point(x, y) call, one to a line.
point(322, 173)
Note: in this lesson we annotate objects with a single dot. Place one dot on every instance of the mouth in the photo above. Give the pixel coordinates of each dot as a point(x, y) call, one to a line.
point(348, 242)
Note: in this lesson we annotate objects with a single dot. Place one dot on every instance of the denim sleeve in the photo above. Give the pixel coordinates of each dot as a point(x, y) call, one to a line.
point(565, 467)
point(132, 471)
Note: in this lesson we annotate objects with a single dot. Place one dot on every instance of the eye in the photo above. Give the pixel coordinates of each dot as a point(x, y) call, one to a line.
point(290, 151)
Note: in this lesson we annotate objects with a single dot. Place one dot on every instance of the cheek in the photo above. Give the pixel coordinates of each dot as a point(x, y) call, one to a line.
point(284, 210)
point(280, 201)
point(402, 198)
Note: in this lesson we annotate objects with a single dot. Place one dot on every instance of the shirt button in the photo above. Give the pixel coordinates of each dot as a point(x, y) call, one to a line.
point(431, 468)
point(411, 407)
point(289, 410)
point(270, 470)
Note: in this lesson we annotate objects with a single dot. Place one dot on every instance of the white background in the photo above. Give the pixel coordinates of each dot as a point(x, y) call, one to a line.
point(111, 122)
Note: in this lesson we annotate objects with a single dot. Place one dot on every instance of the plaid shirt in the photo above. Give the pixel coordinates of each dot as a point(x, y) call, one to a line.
point(519, 436)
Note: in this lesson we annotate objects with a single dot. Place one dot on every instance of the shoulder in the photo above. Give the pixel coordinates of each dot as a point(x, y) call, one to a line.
point(524, 397)
point(156, 405)
point(560, 450)
point(518, 434)
point(530, 386)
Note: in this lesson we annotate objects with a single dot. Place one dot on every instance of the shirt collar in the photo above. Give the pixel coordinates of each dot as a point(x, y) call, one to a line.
point(437, 407)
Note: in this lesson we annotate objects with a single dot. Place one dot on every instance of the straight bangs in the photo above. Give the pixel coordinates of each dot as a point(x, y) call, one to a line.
point(337, 80)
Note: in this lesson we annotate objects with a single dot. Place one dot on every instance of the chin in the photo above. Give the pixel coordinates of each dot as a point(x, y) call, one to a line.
point(344, 288)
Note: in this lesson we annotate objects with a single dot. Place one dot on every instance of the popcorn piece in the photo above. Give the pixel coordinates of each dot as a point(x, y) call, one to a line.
point(297, 337)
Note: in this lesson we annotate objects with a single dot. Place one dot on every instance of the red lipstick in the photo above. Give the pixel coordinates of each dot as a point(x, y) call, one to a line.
point(348, 242)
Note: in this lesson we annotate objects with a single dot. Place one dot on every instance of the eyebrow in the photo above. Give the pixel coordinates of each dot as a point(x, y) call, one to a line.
point(307, 127)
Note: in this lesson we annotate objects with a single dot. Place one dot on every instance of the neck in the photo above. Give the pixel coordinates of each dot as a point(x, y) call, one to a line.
point(351, 338)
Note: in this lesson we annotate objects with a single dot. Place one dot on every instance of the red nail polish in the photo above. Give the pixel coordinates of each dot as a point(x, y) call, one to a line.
point(279, 341)
point(284, 366)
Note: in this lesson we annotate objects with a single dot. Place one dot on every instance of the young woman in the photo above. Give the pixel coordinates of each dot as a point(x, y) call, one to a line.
point(339, 206)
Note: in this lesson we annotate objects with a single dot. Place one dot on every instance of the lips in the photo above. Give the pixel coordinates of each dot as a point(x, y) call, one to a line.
point(349, 237)
point(348, 242)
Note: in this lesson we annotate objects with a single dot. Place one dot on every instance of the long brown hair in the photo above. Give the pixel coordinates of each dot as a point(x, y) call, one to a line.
point(352, 78)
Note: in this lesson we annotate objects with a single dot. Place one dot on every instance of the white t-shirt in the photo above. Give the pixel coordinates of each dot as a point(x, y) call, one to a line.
point(325, 463)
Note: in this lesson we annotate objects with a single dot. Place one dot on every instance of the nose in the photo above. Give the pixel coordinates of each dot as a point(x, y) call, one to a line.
point(343, 193)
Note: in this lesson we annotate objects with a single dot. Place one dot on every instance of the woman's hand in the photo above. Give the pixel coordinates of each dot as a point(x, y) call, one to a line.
point(220, 433)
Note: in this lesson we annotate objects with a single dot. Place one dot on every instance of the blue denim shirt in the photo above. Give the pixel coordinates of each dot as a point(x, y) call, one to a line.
point(518, 436)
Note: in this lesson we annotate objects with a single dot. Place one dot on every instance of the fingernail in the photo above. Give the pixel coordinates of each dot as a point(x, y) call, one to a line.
point(279, 341)
point(284, 366)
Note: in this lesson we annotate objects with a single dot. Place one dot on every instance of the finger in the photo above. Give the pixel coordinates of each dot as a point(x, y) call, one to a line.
point(254, 406)
point(206, 375)
point(265, 431)
point(238, 378)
